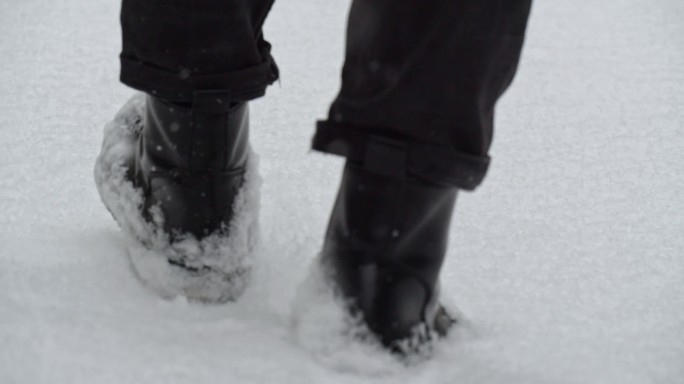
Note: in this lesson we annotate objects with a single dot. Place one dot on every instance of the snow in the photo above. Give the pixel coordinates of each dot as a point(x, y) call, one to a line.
point(566, 264)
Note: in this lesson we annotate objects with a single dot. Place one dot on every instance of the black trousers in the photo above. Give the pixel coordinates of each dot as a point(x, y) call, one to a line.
point(419, 84)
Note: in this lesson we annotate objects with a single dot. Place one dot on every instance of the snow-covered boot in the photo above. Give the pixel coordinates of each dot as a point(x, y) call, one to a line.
point(180, 180)
point(191, 163)
point(383, 251)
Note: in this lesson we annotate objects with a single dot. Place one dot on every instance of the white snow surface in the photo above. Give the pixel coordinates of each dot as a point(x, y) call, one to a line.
point(567, 264)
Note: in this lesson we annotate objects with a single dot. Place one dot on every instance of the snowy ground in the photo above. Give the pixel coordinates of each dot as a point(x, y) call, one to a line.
point(568, 262)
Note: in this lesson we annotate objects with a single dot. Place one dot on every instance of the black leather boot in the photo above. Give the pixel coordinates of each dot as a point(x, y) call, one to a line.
point(190, 162)
point(181, 182)
point(384, 248)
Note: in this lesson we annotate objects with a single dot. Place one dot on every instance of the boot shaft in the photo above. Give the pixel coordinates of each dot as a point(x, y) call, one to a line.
point(181, 136)
point(191, 162)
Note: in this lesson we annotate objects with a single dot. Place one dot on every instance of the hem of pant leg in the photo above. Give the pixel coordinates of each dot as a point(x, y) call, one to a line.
point(401, 157)
point(245, 84)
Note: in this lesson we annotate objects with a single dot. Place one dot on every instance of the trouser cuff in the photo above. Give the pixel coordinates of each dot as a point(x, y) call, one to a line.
point(401, 158)
point(182, 86)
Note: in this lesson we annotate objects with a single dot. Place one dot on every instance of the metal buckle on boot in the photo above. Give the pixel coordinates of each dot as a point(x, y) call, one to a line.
point(385, 157)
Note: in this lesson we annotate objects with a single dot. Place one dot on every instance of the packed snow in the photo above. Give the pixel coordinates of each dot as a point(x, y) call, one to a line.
point(566, 266)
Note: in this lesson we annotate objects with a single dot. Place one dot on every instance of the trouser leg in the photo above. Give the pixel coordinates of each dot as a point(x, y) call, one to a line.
point(420, 83)
point(199, 61)
point(172, 49)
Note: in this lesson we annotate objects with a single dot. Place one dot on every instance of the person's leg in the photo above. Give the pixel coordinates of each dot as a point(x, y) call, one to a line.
point(199, 62)
point(175, 168)
point(414, 118)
